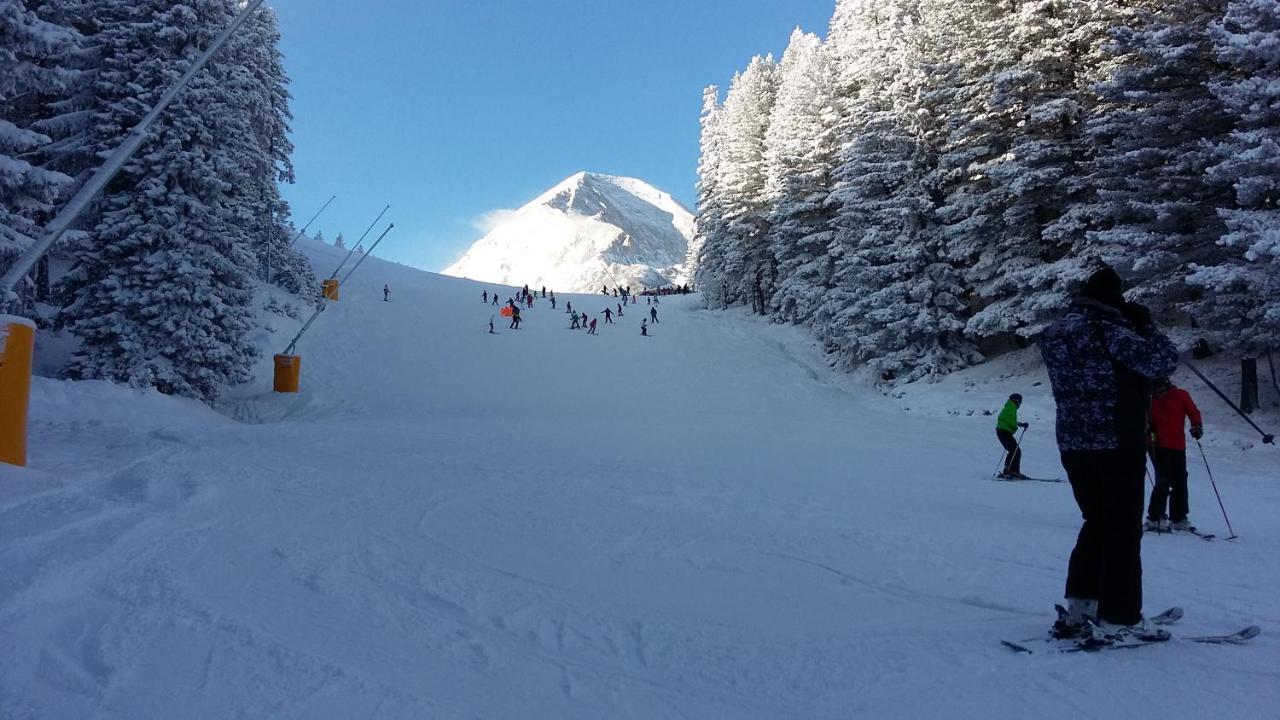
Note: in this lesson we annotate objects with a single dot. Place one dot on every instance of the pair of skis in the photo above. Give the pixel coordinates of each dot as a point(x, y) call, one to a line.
point(1024, 478)
point(1159, 636)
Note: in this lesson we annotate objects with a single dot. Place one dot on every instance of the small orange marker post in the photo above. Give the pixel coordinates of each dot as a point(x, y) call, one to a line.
point(288, 373)
point(17, 344)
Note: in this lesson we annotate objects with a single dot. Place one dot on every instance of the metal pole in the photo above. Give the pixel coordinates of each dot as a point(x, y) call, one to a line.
point(324, 302)
point(96, 182)
point(366, 254)
point(1267, 438)
point(357, 243)
point(313, 219)
point(1233, 535)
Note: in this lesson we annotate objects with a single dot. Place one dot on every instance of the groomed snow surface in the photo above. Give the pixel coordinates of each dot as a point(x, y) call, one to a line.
point(705, 523)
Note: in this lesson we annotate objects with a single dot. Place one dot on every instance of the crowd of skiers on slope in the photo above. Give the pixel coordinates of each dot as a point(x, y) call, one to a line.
point(577, 321)
point(1110, 369)
point(669, 290)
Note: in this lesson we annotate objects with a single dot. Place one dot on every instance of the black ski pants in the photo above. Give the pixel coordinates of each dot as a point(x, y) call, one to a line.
point(1013, 460)
point(1106, 564)
point(1171, 485)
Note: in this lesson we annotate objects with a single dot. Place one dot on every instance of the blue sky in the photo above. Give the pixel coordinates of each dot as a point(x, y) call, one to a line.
point(450, 109)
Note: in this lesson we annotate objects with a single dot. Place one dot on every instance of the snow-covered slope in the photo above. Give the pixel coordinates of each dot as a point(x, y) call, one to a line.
point(704, 523)
point(589, 230)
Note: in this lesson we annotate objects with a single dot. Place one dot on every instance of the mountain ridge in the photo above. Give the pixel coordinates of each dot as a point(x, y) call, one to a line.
point(588, 230)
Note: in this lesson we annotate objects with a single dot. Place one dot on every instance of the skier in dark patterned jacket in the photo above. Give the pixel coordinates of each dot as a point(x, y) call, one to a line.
point(1101, 357)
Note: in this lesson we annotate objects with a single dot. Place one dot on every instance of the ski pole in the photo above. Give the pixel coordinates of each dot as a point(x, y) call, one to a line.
point(1267, 438)
point(1233, 535)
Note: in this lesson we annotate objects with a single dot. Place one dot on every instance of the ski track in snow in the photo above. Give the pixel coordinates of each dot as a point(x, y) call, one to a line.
point(704, 523)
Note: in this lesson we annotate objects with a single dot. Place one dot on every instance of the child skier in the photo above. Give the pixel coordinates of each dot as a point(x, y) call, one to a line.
point(592, 331)
point(386, 291)
point(1006, 424)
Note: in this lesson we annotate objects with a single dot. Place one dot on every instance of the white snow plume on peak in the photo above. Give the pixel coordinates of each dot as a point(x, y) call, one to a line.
point(587, 231)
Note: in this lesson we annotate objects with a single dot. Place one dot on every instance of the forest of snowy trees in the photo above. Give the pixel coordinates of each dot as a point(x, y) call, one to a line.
point(930, 182)
point(157, 281)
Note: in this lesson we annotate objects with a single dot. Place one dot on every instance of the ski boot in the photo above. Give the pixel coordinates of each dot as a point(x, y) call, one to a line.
point(1074, 619)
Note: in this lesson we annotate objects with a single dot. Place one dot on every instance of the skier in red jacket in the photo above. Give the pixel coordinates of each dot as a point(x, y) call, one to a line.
point(1170, 408)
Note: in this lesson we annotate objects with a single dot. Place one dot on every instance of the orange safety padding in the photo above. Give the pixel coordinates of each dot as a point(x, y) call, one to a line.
point(330, 289)
point(506, 311)
point(288, 373)
point(18, 341)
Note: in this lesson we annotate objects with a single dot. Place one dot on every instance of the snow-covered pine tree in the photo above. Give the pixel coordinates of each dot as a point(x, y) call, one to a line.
point(895, 305)
point(319, 236)
point(801, 145)
point(1050, 55)
point(964, 51)
point(255, 67)
point(1155, 209)
point(1241, 305)
point(706, 250)
point(32, 70)
point(340, 242)
point(749, 267)
point(159, 295)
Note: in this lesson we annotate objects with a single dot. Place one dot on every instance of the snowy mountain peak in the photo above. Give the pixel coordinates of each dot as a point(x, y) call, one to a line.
point(586, 231)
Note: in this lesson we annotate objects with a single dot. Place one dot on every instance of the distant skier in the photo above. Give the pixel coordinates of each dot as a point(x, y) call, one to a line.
point(648, 300)
point(592, 331)
point(653, 315)
point(495, 299)
point(1171, 407)
point(1100, 356)
point(615, 292)
point(491, 332)
point(386, 292)
point(584, 319)
point(568, 307)
point(574, 325)
point(530, 301)
point(1006, 425)
point(515, 317)
point(619, 309)
point(644, 328)
point(544, 291)
point(553, 302)
point(608, 316)
point(484, 297)
point(604, 289)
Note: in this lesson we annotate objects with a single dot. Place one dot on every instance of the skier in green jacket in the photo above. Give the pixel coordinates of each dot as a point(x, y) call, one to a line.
point(1006, 424)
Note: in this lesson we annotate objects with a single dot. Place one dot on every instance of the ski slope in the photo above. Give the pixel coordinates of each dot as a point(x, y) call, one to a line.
point(704, 523)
